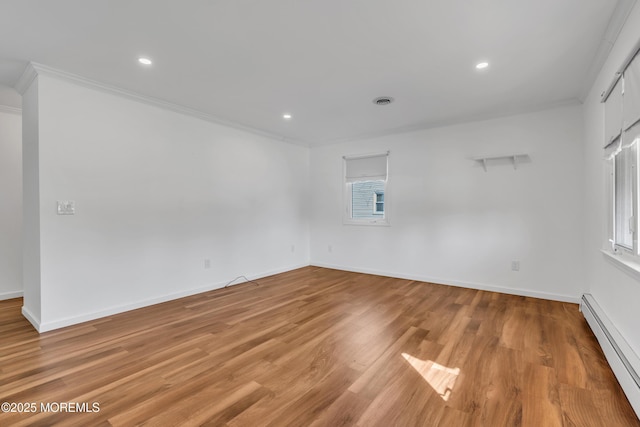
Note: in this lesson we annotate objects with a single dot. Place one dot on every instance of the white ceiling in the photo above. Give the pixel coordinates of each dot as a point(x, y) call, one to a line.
point(323, 61)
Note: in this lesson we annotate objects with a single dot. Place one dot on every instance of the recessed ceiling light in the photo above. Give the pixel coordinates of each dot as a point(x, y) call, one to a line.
point(286, 116)
point(145, 61)
point(383, 100)
point(482, 65)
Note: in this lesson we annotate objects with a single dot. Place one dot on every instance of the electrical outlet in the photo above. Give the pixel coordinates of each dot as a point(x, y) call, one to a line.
point(330, 248)
point(293, 248)
point(515, 265)
point(66, 207)
point(207, 263)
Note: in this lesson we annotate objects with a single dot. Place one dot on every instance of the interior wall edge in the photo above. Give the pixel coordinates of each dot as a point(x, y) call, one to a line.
point(36, 69)
point(74, 320)
point(459, 284)
point(33, 319)
point(10, 110)
point(11, 295)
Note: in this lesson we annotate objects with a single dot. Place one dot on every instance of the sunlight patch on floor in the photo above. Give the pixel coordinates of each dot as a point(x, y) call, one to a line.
point(440, 378)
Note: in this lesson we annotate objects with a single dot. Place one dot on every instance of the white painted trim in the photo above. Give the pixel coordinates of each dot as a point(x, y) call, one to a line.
point(463, 120)
point(615, 349)
point(11, 295)
point(457, 283)
point(34, 69)
point(28, 76)
point(73, 320)
point(617, 21)
point(623, 263)
point(10, 110)
point(369, 222)
point(347, 194)
point(35, 322)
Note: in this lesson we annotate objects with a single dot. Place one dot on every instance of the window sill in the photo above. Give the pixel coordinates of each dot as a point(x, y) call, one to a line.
point(373, 223)
point(623, 262)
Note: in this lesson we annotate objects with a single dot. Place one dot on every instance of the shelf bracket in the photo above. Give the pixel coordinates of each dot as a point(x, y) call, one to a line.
point(515, 159)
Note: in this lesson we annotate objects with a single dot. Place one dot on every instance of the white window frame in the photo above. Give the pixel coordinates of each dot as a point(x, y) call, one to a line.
point(375, 203)
point(347, 195)
point(621, 132)
point(622, 135)
point(616, 245)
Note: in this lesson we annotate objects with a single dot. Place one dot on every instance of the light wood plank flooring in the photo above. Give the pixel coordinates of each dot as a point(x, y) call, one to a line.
point(318, 347)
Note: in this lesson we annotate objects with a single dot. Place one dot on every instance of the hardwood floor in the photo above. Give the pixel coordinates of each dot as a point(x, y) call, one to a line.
point(317, 347)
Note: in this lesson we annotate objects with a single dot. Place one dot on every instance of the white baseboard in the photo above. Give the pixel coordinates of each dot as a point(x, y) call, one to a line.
point(9, 109)
point(31, 318)
point(73, 320)
point(457, 283)
point(624, 363)
point(11, 295)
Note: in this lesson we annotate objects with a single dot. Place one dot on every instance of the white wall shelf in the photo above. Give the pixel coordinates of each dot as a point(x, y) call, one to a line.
point(515, 159)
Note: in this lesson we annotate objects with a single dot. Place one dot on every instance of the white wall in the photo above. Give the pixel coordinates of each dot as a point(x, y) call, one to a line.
point(156, 194)
point(10, 205)
point(31, 307)
point(617, 292)
point(453, 223)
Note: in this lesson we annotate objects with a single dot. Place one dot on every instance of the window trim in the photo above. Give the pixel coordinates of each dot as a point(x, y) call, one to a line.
point(622, 131)
point(619, 247)
point(347, 195)
point(376, 194)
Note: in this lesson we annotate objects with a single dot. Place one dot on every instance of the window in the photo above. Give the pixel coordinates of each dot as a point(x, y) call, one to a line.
point(367, 199)
point(622, 132)
point(366, 189)
point(624, 174)
point(378, 202)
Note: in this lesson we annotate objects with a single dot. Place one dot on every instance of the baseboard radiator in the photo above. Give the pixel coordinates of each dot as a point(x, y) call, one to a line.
point(622, 359)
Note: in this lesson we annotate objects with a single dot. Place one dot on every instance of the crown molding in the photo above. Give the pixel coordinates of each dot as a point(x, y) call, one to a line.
point(9, 109)
point(614, 27)
point(34, 69)
point(415, 127)
point(28, 76)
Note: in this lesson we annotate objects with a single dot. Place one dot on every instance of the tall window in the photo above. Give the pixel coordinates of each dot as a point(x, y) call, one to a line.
point(622, 132)
point(625, 173)
point(366, 189)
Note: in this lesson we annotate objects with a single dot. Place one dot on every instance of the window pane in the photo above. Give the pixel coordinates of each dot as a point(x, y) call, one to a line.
point(363, 195)
point(624, 172)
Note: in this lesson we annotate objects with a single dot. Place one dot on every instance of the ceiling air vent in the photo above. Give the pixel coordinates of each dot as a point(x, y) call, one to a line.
point(383, 100)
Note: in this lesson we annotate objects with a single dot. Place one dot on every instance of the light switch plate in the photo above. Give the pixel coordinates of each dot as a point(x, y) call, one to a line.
point(66, 207)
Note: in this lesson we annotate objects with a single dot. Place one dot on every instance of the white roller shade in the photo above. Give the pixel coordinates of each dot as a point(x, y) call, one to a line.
point(613, 148)
point(624, 164)
point(613, 113)
point(631, 99)
point(631, 136)
point(366, 168)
